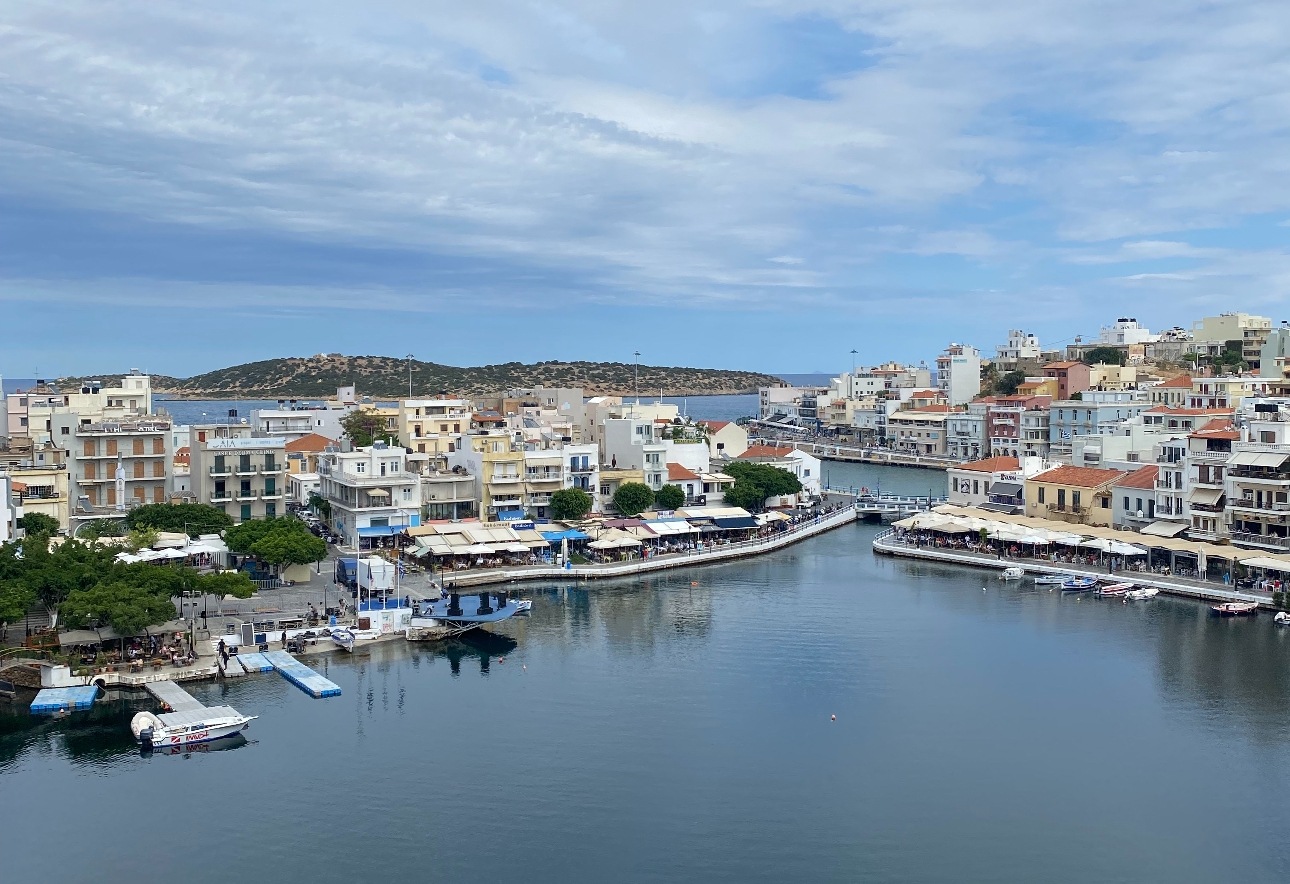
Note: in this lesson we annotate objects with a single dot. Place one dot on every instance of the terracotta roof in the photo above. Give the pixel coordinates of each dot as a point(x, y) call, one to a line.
point(923, 394)
point(312, 442)
point(1082, 477)
point(1182, 382)
point(1145, 477)
point(990, 465)
point(1069, 364)
point(488, 418)
point(18, 486)
point(765, 451)
point(714, 425)
point(1218, 428)
point(678, 473)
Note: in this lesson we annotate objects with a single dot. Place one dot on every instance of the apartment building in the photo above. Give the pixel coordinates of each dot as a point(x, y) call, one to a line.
point(1208, 451)
point(1072, 377)
point(38, 478)
point(1257, 481)
point(958, 373)
point(1072, 494)
point(965, 432)
point(636, 443)
point(1212, 334)
point(496, 461)
point(237, 471)
point(1019, 346)
point(919, 430)
point(113, 465)
point(94, 401)
point(1173, 393)
point(1018, 426)
point(373, 494)
point(1074, 417)
point(1133, 497)
point(447, 491)
point(433, 426)
point(1124, 332)
point(726, 439)
point(969, 484)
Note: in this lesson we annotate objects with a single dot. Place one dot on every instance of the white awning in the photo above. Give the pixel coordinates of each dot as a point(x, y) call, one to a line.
point(1267, 562)
point(1207, 496)
point(1166, 529)
point(1258, 458)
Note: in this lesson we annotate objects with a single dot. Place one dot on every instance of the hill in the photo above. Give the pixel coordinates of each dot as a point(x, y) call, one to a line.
point(386, 377)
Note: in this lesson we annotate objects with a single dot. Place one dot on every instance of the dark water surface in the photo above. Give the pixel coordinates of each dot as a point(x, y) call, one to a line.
point(676, 728)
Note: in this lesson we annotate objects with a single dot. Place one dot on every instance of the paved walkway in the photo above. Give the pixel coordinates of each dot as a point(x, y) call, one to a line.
point(887, 544)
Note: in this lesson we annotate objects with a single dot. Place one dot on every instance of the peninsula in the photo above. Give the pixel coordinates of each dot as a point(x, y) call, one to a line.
point(387, 377)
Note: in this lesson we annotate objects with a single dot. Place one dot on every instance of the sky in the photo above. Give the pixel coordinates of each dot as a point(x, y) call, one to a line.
point(764, 184)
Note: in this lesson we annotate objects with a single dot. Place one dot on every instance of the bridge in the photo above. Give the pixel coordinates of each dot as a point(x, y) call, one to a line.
point(874, 506)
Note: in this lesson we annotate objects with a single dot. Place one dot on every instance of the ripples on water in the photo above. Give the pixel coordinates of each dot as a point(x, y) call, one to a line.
point(657, 730)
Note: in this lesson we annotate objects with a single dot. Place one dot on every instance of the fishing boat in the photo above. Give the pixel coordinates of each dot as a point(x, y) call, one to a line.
point(1051, 579)
point(1115, 590)
point(1281, 619)
point(1079, 584)
point(1236, 609)
point(188, 727)
point(344, 638)
point(1141, 595)
point(1012, 574)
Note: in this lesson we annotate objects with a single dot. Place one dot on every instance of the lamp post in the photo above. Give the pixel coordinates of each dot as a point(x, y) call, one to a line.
point(636, 377)
point(853, 364)
point(409, 375)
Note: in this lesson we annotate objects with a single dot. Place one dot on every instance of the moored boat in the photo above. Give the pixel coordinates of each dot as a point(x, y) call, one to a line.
point(1141, 595)
point(170, 729)
point(344, 638)
point(1051, 579)
point(1236, 609)
point(1012, 573)
point(1115, 590)
point(1079, 584)
point(1281, 619)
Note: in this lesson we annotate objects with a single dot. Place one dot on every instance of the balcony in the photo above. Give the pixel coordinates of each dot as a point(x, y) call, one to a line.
point(1207, 507)
point(245, 494)
point(1255, 474)
point(1269, 540)
point(272, 494)
point(506, 479)
point(1166, 485)
point(539, 499)
point(221, 471)
point(1246, 503)
point(246, 469)
point(578, 468)
point(221, 497)
point(1201, 534)
point(1209, 456)
point(271, 467)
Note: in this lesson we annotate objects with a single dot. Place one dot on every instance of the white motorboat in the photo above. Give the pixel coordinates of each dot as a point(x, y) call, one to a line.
point(1141, 595)
point(1012, 574)
point(344, 638)
point(203, 725)
point(523, 606)
point(1051, 579)
point(1114, 590)
point(1281, 619)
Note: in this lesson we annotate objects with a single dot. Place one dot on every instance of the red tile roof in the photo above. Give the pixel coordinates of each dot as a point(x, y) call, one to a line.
point(924, 394)
point(765, 451)
point(1145, 477)
point(1182, 382)
point(312, 442)
point(930, 409)
point(1218, 428)
point(1082, 477)
point(1062, 365)
point(714, 426)
point(990, 465)
point(678, 473)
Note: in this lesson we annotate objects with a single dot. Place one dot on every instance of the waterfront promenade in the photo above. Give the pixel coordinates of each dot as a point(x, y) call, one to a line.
point(889, 543)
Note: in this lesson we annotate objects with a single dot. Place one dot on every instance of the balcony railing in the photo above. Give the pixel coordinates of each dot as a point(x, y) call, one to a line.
point(1259, 539)
point(1201, 534)
point(1258, 475)
point(247, 469)
point(221, 497)
point(1245, 503)
point(505, 480)
point(1207, 507)
point(577, 468)
point(1210, 456)
point(225, 470)
point(246, 494)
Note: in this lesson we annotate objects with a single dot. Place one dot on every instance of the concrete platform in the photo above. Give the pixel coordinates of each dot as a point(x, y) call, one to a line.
point(52, 700)
point(233, 668)
point(302, 676)
point(178, 699)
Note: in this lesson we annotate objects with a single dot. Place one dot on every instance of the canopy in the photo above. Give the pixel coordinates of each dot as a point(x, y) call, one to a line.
point(1007, 489)
point(1114, 547)
point(733, 522)
point(515, 548)
point(1267, 459)
point(476, 548)
point(380, 530)
point(377, 492)
point(664, 527)
point(567, 534)
point(108, 634)
point(1267, 562)
point(1165, 529)
point(1206, 496)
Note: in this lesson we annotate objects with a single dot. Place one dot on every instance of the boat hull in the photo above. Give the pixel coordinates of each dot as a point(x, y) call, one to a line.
point(1235, 609)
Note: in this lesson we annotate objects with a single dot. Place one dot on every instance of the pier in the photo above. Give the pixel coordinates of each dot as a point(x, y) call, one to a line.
point(302, 676)
point(173, 696)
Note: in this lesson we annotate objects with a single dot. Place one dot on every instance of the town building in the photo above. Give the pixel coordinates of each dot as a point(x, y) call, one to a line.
point(238, 472)
point(965, 433)
point(1072, 377)
point(1018, 426)
point(919, 430)
point(1072, 494)
point(94, 401)
point(1213, 333)
point(38, 476)
point(726, 439)
point(958, 373)
point(496, 460)
point(10, 508)
point(372, 493)
point(113, 465)
point(1174, 392)
point(1134, 497)
point(1257, 480)
point(447, 492)
point(1208, 451)
point(1124, 332)
point(433, 426)
point(802, 464)
point(1074, 417)
point(1020, 346)
point(970, 483)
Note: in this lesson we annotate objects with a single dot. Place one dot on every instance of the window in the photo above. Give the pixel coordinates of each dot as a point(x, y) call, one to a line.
point(1061, 498)
point(407, 493)
point(246, 512)
point(1041, 493)
point(976, 489)
point(360, 468)
point(1126, 503)
point(1106, 503)
point(270, 510)
point(1075, 499)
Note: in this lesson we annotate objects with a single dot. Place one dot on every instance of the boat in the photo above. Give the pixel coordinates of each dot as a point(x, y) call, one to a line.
point(189, 727)
point(1079, 584)
point(456, 613)
point(343, 638)
point(1115, 590)
point(1141, 595)
point(1281, 619)
point(1051, 579)
point(1013, 573)
point(523, 606)
point(1236, 609)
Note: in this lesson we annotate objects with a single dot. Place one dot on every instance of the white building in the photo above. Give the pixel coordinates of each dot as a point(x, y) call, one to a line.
point(94, 403)
point(958, 373)
point(242, 474)
point(1020, 345)
point(10, 509)
point(802, 464)
point(1125, 331)
point(635, 444)
point(373, 494)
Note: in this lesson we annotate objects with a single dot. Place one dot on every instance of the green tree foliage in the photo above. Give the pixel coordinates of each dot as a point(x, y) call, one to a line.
point(39, 523)
point(126, 607)
point(16, 596)
point(366, 426)
point(320, 505)
point(1106, 356)
point(286, 541)
point(633, 498)
point(141, 538)
point(1007, 384)
point(670, 497)
point(570, 503)
point(754, 482)
point(194, 518)
point(102, 528)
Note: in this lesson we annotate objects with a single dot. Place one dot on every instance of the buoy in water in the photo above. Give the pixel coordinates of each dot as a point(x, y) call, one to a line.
point(694, 583)
point(833, 718)
point(501, 659)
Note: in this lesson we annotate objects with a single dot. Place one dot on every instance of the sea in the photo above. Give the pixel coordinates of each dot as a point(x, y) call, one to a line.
point(816, 715)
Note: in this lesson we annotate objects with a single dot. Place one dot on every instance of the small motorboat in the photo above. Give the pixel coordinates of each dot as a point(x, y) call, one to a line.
point(1141, 595)
point(1013, 573)
point(1079, 584)
point(523, 606)
point(1236, 609)
point(1051, 579)
point(1115, 590)
point(344, 638)
point(171, 729)
point(1281, 619)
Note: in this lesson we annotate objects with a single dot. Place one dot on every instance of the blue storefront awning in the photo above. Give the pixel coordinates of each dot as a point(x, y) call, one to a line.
point(736, 522)
point(380, 531)
point(510, 515)
point(557, 536)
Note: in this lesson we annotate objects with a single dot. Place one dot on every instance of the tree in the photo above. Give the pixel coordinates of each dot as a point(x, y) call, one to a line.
point(102, 528)
point(1106, 356)
point(243, 537)
point(754, 482)
point(1007, 384)
point(141, 538)
point(126, 607)
point(286, 541)
point(670, 497)
point(570, 503)
point(366, 426)
point(191, 518)
point(320, 505)
point(39, 523)
point(747, 495)
point(633, 498)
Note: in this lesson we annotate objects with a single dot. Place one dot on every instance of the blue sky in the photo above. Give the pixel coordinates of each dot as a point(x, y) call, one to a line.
point(763, 184)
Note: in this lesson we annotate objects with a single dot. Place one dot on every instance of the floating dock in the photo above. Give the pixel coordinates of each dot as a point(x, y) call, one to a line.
point(301, 675)
point(54, 700)
point(253, 661)
point(173, 696)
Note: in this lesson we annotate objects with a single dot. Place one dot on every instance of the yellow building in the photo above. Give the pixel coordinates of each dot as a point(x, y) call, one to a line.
point(499, 464)
point(1072, 494)
point(1038, 387)
point(432, 426)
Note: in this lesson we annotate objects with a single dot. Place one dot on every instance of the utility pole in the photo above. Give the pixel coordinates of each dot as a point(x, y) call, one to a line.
point(409, 375)
point(636, 382)
point(853, 363)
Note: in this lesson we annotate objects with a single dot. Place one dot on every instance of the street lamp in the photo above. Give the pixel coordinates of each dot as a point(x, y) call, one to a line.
point(409, 375)
point(853, 363)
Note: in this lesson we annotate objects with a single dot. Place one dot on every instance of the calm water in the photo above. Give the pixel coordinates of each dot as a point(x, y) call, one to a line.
point(196, 411)
point(676, 728)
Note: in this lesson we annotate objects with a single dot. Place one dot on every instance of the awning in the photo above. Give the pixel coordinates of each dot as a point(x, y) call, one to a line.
point(1207, 496)
point(514, 548)
point(380, 531)
point(1267, 562)
point(1007, 489)
point(1165, 529)
point(667, 527)
point(108, 634)
point(378, 492)
point(733, 522)
point(557, 536)
point(475, 548)
point(1268, 459)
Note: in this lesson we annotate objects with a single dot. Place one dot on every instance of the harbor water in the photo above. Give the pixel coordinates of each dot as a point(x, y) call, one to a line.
point(677, 727)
